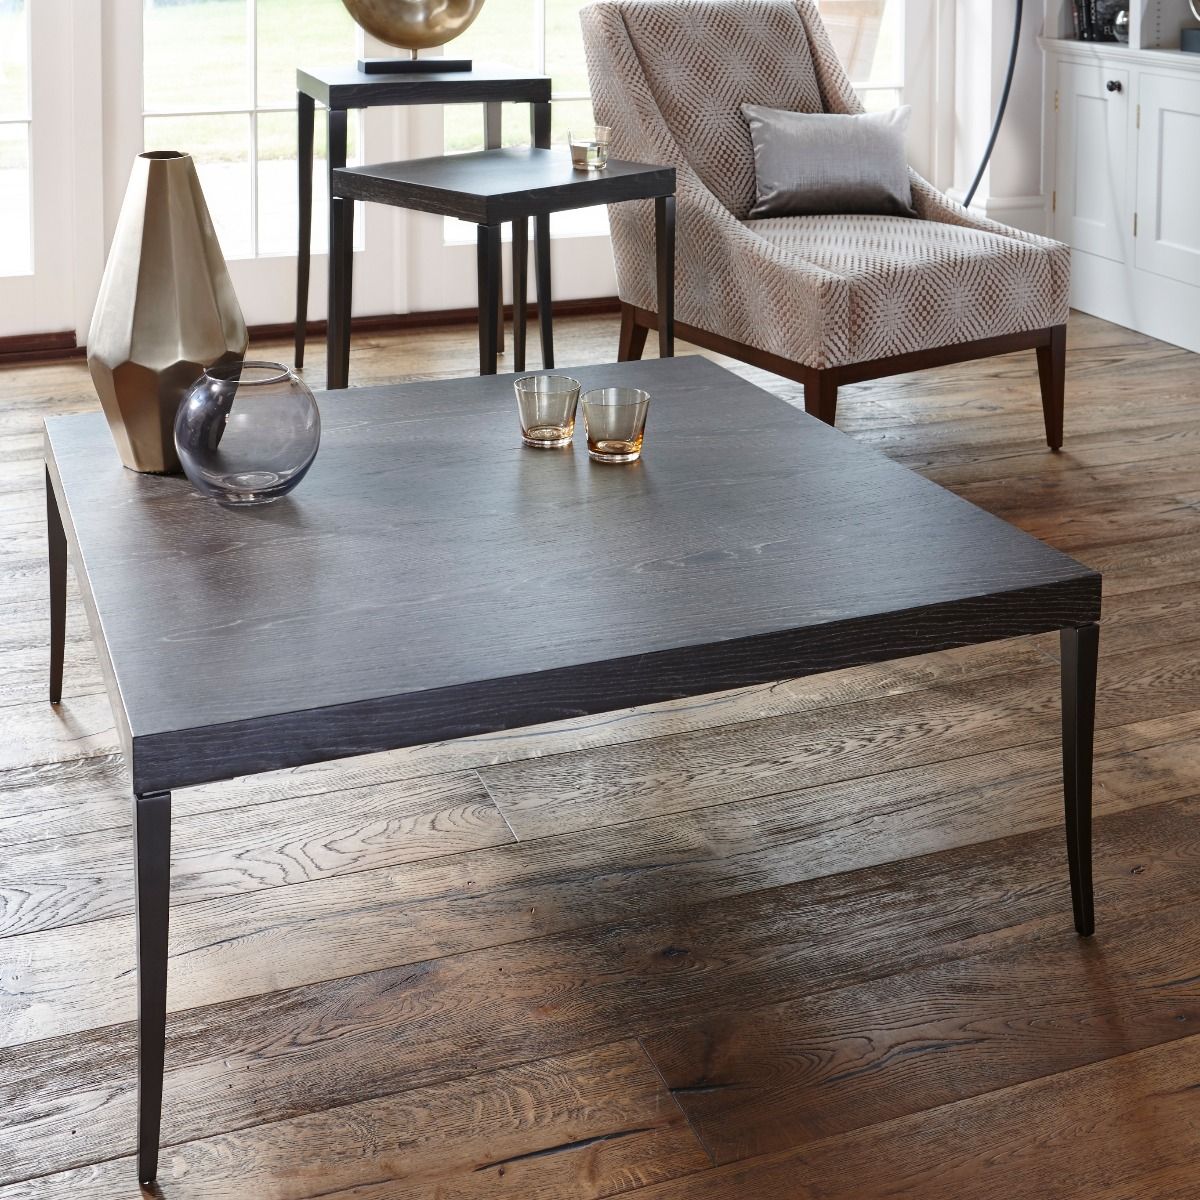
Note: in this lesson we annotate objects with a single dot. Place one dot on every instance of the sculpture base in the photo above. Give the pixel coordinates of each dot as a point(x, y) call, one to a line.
point(1189, 40)
point(412, 66)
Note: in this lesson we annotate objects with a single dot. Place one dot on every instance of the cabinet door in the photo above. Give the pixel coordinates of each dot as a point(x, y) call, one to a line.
point(1090, 174)
point(1168, 177)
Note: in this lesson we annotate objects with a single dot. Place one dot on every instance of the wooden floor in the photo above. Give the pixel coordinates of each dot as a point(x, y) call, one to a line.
point(808, 940)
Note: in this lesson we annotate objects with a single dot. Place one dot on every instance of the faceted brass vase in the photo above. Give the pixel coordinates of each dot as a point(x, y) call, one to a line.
point(165, 312)
point(414, 24)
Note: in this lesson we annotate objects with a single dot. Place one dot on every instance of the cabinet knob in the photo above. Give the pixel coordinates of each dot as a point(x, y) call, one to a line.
point(1113, 85)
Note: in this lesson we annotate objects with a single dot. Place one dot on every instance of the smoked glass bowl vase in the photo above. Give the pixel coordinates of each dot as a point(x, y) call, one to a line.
point(247, 432)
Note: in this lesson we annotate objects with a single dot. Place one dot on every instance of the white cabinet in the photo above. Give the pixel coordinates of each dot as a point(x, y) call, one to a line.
point(1122, 163)
point(1168, 177)
point(1089, 198)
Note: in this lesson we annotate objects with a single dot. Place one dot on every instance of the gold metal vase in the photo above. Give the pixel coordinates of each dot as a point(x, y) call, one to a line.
point(414, 24)
point(166, 310)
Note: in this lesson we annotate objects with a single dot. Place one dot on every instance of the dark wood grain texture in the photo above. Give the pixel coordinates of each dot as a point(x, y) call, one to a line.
point(1095, 1131)
point(348, 87)
point(490, 187)
point(694, 604)
point(342, 88)
point(249, 1055)
point(914, 971)
point(793, 1073)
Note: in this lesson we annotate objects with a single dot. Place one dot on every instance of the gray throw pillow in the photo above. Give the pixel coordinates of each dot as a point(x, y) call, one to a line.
point(807, 163)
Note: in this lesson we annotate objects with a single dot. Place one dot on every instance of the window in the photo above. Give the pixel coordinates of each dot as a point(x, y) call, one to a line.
point(220, 82)
point(868, 36)
point(16, 246)
point(541, 36)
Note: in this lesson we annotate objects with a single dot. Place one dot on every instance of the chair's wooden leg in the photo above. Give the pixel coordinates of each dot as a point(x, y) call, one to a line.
point(633, 335)
point(820, 396)
point(1052, 373)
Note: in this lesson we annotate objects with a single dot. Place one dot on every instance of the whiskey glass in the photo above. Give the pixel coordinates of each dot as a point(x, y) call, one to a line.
point(615, 420)
point(546, 406)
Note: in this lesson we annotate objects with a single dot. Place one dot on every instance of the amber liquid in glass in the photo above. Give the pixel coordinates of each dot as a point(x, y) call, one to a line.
point(616, 449)
point(548, 435)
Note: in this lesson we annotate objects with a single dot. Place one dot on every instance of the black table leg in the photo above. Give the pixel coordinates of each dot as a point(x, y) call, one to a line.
point(488, 261)
point(335, 147)
point(493, 138)
point(56, 541)
point(520, 277)
point(341, 287)
point(664, 243)
point(1079, 649)
point(306, 116)
point(152, 848)
point(540, 120)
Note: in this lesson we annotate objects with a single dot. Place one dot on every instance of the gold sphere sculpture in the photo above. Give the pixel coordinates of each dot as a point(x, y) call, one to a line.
point(414, 24)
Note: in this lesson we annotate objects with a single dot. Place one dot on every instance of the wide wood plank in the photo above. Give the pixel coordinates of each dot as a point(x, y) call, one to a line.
point(596, 877)
point(585, 789)
point(1070, 1136)
point(56, 882)
point(847, 910)
point(279, 1054)
point(587, 1125)
point(792, 1073)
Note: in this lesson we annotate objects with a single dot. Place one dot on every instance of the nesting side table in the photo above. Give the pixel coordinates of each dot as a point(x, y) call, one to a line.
point(340, 89)
point(491, 188)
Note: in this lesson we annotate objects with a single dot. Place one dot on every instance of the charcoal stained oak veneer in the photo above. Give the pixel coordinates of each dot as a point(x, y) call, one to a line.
point(340, 89)
point(490, 188)
point(433, 579)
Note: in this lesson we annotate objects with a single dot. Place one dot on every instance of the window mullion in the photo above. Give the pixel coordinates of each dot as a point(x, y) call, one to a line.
point(252, 50)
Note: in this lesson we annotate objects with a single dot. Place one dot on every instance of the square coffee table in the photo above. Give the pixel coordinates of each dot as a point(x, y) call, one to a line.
point(433, 579)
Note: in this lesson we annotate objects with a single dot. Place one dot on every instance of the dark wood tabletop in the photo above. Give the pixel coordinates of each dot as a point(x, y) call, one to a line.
point(432, 578)
point(490, 187)
point(348, 87)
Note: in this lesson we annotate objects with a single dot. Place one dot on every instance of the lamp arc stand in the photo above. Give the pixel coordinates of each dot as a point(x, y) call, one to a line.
point(1008, 78)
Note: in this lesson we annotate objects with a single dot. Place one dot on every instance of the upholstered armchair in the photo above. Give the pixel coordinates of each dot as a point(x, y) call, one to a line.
point(822, 300)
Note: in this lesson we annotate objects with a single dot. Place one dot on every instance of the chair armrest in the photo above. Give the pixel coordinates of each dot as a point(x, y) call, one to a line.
point(932, 205)
point(732, 282)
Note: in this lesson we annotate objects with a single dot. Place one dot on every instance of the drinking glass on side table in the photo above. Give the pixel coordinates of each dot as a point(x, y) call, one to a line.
point(615, 420)
point(589, 148)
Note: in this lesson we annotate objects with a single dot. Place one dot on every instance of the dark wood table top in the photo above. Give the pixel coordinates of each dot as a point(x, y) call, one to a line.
point(348, 87)
point(493, 186)
point(432, 578)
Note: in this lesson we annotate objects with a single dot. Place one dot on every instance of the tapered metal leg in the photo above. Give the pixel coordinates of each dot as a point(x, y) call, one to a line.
point(306, 116)
point(664, 238)
point(56, 541)
point(1080, 649)
point(152, 850)
point(493, 138)
point(520, 275)
point(341, 286)
point(488, 263)
point(540, 120)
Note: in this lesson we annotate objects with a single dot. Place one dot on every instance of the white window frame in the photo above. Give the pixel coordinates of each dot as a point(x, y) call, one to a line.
point(87, 112)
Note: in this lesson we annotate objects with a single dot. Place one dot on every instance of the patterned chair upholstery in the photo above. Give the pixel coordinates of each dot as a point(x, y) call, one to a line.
point(824, 300)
